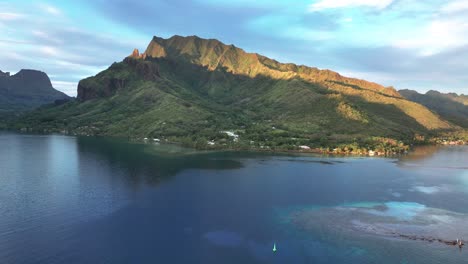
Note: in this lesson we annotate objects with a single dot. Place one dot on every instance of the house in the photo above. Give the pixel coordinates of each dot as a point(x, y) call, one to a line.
point(232, 134)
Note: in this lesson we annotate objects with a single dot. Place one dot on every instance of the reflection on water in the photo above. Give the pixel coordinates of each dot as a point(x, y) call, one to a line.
point(95, 200)
point(150, 164)
point(437, 157)
point(421, 153)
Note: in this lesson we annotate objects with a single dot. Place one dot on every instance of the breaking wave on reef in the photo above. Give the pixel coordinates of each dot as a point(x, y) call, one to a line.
point(391, 220)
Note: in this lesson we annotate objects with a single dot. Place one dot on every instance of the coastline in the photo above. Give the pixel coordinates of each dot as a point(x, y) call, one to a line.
point(330, 151)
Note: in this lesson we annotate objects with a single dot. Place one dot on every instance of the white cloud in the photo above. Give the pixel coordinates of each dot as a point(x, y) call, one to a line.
point(14, 41)
point(8, 16)
point(49, 51)
point(439, 35)
point(42, 35)
point(304, 33)
point(332, 4)
point(67, 87)
point(11, 55)
point(455, 6)
point(50, 9)
point(348, 20)
point(39, 33)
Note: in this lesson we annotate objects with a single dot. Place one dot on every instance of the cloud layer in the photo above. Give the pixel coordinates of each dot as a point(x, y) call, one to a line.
point(411, 44)
point(331, 4)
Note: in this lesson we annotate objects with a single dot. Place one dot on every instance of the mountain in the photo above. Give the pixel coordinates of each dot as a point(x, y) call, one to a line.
point(200, 91)
point(450, 106)
point(4, 74)
point(26, 90)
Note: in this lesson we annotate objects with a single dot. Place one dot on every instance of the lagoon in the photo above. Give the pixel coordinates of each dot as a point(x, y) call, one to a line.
point(98, 200)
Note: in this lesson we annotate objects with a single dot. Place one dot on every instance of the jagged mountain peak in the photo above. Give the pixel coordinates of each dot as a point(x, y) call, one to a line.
point(214, 54)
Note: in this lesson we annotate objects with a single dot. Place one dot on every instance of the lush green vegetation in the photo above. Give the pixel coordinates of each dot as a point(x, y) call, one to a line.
point(205, 94)
point(451, 107)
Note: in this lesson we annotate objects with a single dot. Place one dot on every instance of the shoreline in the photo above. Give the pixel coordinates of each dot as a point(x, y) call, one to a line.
point(225, 148)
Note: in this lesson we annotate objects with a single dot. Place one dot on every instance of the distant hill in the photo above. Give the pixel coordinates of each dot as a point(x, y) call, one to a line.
point(26, 90)
point(192, 90)
point(450, 106)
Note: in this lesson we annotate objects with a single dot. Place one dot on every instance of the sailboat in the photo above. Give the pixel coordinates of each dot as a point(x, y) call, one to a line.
point(274, 247)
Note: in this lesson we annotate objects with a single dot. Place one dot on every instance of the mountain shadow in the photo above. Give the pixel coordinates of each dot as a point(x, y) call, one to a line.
point(451, 107)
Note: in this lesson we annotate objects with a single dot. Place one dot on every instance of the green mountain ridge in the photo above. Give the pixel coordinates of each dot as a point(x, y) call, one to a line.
point(190, 90)
point(26, 90)
point(450, 106)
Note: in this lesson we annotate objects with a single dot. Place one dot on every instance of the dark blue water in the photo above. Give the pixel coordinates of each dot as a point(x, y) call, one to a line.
point(87, 200)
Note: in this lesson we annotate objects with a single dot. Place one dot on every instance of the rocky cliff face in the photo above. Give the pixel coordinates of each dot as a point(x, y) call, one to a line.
point(26, 90)
point(213, 54)
point(136, 55)
point(133, 68)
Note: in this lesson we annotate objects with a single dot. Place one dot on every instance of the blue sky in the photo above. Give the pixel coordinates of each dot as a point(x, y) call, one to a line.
point(408, 44)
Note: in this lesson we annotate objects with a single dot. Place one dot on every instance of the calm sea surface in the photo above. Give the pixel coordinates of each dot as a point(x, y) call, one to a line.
point(94, 200)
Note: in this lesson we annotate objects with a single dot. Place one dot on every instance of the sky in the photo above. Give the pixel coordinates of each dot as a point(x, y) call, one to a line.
point(407, 44)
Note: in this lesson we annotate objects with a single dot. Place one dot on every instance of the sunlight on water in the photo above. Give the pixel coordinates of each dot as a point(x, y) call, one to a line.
point(399, 210)
point(427, 189)
point(464, 179)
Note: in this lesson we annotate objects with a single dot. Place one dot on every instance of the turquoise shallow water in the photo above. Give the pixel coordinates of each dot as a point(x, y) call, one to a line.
point(88, 200)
